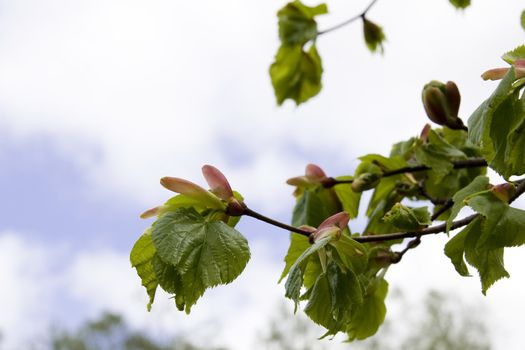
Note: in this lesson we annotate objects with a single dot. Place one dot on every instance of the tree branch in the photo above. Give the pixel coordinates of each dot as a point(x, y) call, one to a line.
point(350, 20)
point(458, 164)
point(426, 231)
point(256, 215)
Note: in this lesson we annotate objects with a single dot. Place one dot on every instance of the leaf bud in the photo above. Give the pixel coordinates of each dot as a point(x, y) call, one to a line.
point(374, 35)
point(504, 192)
point(365, 182)
point(441, 102)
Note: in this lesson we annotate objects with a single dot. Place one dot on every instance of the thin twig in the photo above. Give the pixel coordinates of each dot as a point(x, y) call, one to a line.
point(426, 231)
point(273, 222)
point(458, 164)
point(350, 20)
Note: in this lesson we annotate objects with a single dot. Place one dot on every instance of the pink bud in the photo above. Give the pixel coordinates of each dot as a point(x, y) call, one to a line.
point(192, 190)
point(340, 220)
point(314, 172)
point(331, 226)
point(150, 213)
point(494, 74)
point(217, 182)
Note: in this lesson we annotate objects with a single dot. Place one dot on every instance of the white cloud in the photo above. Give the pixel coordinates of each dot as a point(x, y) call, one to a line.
point(157, 87)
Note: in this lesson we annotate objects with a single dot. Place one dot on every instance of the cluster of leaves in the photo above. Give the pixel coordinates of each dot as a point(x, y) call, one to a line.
point(339, 274)
point(297, 71)
point(192, 246)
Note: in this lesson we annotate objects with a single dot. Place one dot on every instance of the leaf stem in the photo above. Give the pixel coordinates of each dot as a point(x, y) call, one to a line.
point(350, 20)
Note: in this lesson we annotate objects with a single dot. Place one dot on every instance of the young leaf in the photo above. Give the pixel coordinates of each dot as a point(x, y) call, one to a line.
point(141, 257)
point(374, 36)
point(297, 270)
point(460, 4)
point(296, 74)
point(518, 53)
point(298, 244)
point(169, 280)
point(488, 261)
point(437, 154)
point(332, 298)
point(523, 19)
point(504, 226)
point(497, 127)
point(297, 24)
point(406, 218)
point(455, 249)
point(479, 184)
point(367, 318)
point(348, 198)
point(205, 253)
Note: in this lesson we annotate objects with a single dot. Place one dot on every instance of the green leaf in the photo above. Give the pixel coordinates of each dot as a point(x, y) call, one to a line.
point(297, 24)
point(314, 206)
point(332, 298)
point(504, 226)
point(348, 198)
point(298, 244)
point(205, 253)
point(498, 128)
point(522, 19)
point(367, 318)
point(296, 74)
point(374, 36)
point(406, 218)
point(455, 249)
point(488, 261)
point(460, 4)
point(141, 257)
point(518, 53)
point(169, 280)
point(352, 253)
point(295, 276)
point(479, 184)
point(438, 154)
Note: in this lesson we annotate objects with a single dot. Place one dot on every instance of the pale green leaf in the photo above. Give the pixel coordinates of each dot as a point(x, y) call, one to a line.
point(367, 318)
point(296, 74)
point(518, 53)
point(406, 218)
point(295, 276)
point(298, 244)
point(348, 198)
point(332, 298)
point(141, 257)
point(297, 24)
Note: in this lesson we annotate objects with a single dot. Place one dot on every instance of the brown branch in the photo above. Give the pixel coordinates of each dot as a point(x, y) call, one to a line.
point(457, 164)
point(256, 215)
point(426, 231)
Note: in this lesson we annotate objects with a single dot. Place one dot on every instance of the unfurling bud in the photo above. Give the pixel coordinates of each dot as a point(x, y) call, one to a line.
point(441, 102)
point(333, 226)
point(504, 192)
point(365, 182)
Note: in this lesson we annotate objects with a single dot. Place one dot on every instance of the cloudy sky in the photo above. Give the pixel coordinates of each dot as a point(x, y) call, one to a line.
point(99, 99)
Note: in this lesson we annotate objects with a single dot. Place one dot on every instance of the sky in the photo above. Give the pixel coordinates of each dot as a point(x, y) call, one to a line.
point(99, 99)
